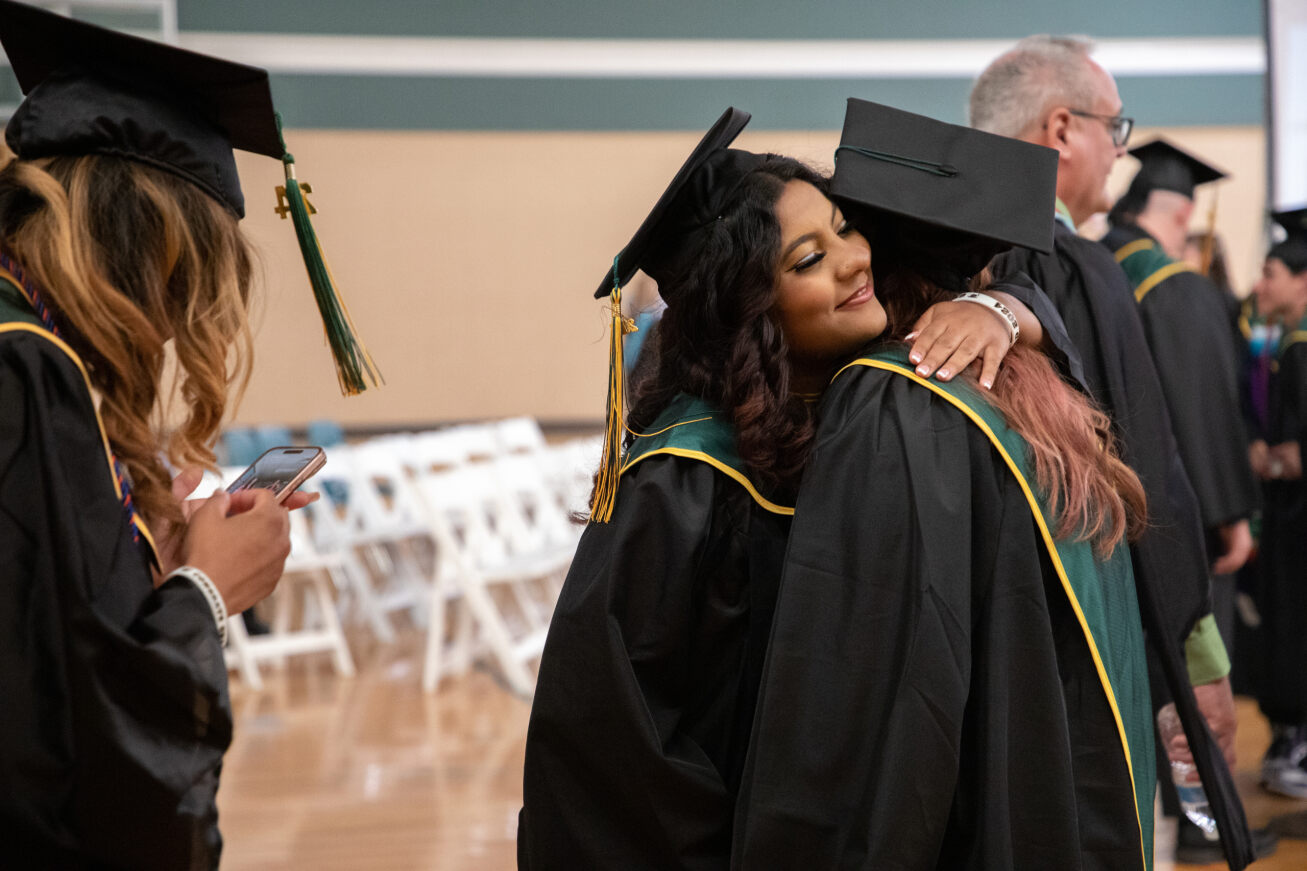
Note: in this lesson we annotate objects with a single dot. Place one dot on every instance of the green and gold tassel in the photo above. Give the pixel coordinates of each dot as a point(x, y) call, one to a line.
point(353, 362)
point(605, 494)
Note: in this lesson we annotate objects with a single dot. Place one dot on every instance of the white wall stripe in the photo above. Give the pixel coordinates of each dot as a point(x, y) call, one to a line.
point(700, 59)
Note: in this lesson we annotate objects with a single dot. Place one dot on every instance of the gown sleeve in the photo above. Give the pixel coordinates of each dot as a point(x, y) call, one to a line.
point(1059, 347)
point(646, 687)
point(116, 713)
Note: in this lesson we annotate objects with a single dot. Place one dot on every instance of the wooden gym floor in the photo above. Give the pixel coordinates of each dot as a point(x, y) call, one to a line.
point(331, 774)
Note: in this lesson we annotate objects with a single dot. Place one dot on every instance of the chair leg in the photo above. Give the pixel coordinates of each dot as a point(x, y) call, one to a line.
point(331, 623)
point(481, 603)
point(283, 603)
point(360, 585)
point(431, 665)
point(239, 641)
point(460, 655)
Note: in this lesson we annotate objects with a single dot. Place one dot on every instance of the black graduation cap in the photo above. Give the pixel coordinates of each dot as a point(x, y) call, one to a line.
point(956, 194)
point(1294, 222)
point(694, 197)
point(1293, 249)
point(1164, 167)
point(92, 90)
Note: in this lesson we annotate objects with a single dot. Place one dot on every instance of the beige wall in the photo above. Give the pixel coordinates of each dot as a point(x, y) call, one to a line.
point(469, 261)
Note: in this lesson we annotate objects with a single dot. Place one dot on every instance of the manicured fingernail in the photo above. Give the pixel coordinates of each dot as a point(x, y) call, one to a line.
point(915, 356)
point(923, 369)
point(909, 337)
point(943, 373)
point(987, 384)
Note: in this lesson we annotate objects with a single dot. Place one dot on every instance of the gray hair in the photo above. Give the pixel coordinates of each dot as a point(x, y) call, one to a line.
point(1038, 73)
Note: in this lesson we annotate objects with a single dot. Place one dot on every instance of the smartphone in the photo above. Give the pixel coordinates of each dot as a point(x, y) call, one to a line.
point(281, 470)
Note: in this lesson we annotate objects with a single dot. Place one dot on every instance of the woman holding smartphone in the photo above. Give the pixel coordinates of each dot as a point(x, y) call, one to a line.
point(640, 745)
point(118, 238)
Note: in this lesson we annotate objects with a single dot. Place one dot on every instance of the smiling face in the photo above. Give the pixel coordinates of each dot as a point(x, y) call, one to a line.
point(825, 302)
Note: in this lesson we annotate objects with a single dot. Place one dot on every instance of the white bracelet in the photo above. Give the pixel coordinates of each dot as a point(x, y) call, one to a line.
point(1013, 328)
point(211, 595)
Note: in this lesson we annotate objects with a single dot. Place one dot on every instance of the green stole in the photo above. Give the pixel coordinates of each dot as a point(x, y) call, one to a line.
point(693, 428)
point(1147, 266)
point(1102, 594)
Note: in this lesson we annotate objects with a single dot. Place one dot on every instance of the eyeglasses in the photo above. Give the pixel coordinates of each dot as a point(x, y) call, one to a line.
point(1118, 125)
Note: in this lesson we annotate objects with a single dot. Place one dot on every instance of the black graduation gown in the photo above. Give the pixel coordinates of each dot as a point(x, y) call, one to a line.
point(929, 699)
point(649, 676)
point(115, 713)
point(1187, 325)
point(1283, 552)
point(1094, 298)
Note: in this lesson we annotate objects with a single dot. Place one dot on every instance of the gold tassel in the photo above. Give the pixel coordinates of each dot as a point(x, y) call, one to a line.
point(605, 495)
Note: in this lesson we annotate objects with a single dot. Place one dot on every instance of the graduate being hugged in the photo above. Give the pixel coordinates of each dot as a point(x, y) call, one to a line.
point(956, 675)
point(644, 706)
point(119, 235)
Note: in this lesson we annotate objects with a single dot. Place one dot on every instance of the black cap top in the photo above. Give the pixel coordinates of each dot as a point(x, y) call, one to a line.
point(91, 90)
point(1294, 222)
point(696, 195)
point(1293, 250)
point(959, 194)
point(1163, 167)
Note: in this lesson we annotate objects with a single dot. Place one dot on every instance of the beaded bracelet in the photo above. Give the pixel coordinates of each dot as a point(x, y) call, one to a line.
point(216, 605)
point(1014, 329)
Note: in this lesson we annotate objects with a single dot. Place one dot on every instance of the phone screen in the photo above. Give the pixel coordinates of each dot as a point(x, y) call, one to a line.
point(280, 470)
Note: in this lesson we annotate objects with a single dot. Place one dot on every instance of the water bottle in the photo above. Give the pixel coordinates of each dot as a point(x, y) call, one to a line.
point(1184, 774)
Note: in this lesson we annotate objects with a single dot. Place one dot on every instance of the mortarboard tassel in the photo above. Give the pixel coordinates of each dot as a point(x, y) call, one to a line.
point(605, 494)
point(353, 361)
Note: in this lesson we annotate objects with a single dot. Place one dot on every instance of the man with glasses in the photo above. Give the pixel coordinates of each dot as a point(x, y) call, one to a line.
point(1049, 91)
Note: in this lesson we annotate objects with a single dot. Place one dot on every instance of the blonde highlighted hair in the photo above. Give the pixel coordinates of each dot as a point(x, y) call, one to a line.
point(130, 256)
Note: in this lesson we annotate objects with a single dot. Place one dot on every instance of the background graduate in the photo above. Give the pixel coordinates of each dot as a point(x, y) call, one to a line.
point(1282, 692)
point(1047, 90)
point(956, 676)
point(645, 699)
point(1187, 327)
point(119, 238)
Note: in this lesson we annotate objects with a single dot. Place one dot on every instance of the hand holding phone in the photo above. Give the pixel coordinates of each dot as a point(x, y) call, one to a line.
point(281, 470)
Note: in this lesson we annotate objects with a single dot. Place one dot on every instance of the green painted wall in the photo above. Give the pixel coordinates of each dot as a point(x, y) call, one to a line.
point(690, 104)
point(487, 103)
point(729, 19)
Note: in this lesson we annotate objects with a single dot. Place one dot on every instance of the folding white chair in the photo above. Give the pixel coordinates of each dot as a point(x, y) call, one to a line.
point(384, 522)
point(569, 469)
point(476, 557)
point(331, 535)
point(307, 583)
point(519, 435)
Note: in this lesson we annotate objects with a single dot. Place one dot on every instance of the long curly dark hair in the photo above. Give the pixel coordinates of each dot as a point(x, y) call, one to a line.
point(718, 339)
